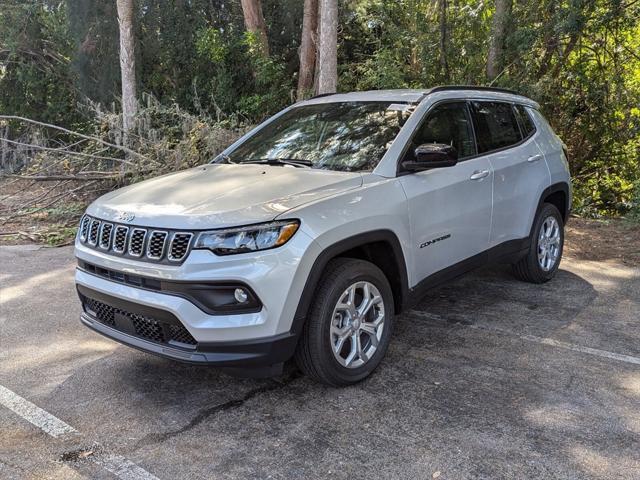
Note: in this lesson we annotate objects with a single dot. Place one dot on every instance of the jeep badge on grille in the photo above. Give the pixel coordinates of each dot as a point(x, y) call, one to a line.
point(125, 216)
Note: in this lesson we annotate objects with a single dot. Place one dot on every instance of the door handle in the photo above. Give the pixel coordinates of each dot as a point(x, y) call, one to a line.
point(479, 174)
point(534, 158)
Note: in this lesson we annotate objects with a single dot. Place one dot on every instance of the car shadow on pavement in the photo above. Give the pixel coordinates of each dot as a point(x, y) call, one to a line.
point(460, 391)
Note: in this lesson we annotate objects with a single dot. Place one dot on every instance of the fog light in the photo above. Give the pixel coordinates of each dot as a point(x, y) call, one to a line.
point(240, 295)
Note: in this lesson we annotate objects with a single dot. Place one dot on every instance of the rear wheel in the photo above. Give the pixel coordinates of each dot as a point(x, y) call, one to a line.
point(542, 261)
point(348, 328)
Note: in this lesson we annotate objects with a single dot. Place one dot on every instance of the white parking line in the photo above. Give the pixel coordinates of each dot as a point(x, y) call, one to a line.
point(117, 465)
point(123, 468)
point(570, 346)
point(34, 414)
point(542, 340)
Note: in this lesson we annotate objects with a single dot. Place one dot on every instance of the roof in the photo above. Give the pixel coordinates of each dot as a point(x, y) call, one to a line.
point(416, 95)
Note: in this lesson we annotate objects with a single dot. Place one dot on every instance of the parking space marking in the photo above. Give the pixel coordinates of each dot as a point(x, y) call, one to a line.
point(569, 346)
point(53, 426)
point(542, 340)
point(123, 468)
point(34, 414)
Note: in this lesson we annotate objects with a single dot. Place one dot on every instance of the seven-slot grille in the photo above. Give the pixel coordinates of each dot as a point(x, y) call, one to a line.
point(105, 235)
point(135, 242)
point(120, 239)
point(155, 247)
point(93, 232)
point(179, 246)
point(84, 228)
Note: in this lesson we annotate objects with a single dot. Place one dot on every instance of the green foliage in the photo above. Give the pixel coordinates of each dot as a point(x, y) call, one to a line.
point(578, 58)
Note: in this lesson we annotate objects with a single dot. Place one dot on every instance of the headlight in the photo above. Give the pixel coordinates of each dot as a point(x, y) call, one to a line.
point(247, 239)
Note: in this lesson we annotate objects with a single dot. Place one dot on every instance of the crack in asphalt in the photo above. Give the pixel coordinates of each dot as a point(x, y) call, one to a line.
point(208, 412)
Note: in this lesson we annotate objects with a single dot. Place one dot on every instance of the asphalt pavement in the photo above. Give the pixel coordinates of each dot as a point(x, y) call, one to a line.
point(487, 378)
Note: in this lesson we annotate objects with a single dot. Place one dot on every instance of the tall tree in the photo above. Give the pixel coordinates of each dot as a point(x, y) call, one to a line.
point(308, 48)
point(127, 63)
point(442, 7)
point(499, 30)
point(254, 22)
point(328, 49)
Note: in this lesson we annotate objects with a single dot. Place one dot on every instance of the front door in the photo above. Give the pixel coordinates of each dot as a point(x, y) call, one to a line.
point(450, 207)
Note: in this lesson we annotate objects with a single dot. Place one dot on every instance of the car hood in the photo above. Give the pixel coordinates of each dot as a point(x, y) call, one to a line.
point(221, 195)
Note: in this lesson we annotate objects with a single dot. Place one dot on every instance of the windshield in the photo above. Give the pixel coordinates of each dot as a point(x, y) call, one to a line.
point(348, 136)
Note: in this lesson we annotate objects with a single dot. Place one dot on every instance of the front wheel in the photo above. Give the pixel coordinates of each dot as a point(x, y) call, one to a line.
point(543, 259)
point(348, 328)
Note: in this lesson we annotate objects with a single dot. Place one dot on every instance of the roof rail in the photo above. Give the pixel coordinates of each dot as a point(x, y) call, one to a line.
point(320, 95)
point(444, 88)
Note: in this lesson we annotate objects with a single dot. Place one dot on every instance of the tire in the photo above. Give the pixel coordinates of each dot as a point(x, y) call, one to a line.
point(315, 353)
point(529, 268)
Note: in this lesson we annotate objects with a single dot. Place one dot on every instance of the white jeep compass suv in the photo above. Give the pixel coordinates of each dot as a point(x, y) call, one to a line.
point(305, 237)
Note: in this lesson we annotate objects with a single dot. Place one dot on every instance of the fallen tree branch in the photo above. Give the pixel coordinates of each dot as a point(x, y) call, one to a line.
point(81, 135)
point(66, 152)
point(53, 178)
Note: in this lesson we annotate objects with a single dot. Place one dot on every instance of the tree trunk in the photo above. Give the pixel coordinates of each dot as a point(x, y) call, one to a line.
point(308, 48)
point(328, 51)
point(443, 39)
point(498, 34)
point(127, 64)
point(254, 22)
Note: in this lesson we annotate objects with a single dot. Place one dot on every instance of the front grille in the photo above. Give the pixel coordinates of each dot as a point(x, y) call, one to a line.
point(105, 235)
point(141, 326)
point(93, 232)
point(161, 246)
point(179, 246)
point(155, 248)
point(84, 227)
point(136, 242)
point(120, 239)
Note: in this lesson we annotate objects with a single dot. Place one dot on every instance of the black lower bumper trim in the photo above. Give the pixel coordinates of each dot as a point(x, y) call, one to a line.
point(251, 354)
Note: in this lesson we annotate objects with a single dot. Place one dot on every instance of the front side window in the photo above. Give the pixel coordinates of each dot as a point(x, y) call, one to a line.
point(448, 123)
point(496, 126)
point(347, 136)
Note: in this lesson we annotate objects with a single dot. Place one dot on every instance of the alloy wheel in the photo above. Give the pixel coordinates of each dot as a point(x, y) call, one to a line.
point(357, 324)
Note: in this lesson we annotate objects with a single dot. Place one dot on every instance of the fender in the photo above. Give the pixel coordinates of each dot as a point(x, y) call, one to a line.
point(335, 250)
point(556, 187)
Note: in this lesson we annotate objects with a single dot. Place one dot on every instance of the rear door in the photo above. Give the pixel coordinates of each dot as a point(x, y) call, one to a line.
point(449, 208)
point(506, 136)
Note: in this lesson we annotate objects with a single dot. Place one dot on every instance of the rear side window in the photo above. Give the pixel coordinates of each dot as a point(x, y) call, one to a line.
point(526, 124)
point(496, 126)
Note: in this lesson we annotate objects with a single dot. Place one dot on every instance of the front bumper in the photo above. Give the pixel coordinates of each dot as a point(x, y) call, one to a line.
point(263, 335)
point(263, 352)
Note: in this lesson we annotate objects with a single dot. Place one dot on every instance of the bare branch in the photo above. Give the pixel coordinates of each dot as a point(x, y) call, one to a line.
point(64, 151)
point(81, 135)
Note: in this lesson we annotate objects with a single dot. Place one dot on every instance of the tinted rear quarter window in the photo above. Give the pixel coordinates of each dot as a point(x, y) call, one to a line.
point(524, 119)
point(496, 125)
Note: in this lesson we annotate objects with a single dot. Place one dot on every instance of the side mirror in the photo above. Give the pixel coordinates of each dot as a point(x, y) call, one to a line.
point(432, 155)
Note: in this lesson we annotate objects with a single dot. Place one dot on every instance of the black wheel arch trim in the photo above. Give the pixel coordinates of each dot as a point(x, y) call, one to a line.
point(336, 250)
point(554, 188)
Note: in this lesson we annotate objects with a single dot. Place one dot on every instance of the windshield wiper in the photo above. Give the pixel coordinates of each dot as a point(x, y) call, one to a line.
point(282, 161)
